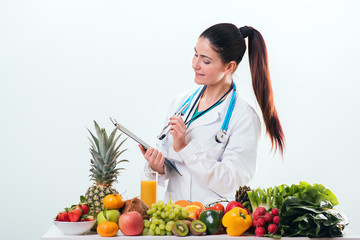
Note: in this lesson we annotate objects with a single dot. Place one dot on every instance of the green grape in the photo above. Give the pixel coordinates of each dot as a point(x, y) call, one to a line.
point(167, 219)
point(156, 221)
point(168, 227)
point(184, 214)
point(157, 230)
point(176, 210)
point(145, 231)
point(149, 211)
point(177, 207)
point(152, 226)
point(154, 214)
point(166, 208)
point(172, 215)
point(162, 226)
point(151, 232)
point(161, 202)
point(153, 205)
point(161, 221)
point(183, 209)
point(169, 233)
point(146, 223)
point(158, 212)
point(162, 232)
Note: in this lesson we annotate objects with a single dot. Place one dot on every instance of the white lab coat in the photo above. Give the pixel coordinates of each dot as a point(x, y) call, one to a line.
point(212, 170)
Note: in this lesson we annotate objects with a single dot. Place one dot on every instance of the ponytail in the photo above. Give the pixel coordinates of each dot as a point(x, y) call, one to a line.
point(261, 83)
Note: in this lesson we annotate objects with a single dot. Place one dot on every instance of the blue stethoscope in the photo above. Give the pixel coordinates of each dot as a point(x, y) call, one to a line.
point(221, 136)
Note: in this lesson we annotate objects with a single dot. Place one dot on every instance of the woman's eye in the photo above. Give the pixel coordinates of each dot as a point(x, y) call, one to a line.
point(195, 55)
point(206, 62)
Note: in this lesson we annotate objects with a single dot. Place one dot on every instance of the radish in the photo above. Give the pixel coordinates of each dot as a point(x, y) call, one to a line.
point(260, 231)
point(256, 215)
point(268, 217)
point(276, 220)
point(272, 229)
point(261, 211)
point(260, 222)
point(275, 211)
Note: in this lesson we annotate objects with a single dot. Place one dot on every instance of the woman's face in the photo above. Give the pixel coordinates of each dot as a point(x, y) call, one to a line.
point(208, 67)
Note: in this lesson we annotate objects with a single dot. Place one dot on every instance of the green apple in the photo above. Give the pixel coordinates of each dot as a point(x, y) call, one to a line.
point(108, 215)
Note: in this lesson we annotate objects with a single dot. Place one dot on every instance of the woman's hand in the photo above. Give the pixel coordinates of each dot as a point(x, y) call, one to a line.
point(155, 159)
point(178, 131)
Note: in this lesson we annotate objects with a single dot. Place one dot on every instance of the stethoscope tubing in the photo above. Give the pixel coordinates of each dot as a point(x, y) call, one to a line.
point(223, 131)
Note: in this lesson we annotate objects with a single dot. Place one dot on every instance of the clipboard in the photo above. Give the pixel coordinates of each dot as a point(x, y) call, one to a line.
point(121, 128)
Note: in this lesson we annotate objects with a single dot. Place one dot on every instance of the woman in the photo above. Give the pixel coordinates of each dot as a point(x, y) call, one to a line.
point(210, 168)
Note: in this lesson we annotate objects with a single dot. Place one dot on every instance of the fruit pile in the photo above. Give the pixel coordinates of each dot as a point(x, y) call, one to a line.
point(162, 218)
point(266, 222)
point(110, 220)
point(76, 213)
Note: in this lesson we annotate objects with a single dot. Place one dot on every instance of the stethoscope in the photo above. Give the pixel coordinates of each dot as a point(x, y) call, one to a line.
point(221, 136)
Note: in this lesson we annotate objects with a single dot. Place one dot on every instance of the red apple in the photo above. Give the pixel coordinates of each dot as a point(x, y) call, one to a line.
point(131, 223)
point(231, 205)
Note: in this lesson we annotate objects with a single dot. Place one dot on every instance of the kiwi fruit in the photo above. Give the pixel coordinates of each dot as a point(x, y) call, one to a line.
point(180, 228)
point(197, 227)
point(188, 223)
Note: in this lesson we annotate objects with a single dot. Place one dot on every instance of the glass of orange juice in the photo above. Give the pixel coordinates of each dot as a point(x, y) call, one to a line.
point(148, 188)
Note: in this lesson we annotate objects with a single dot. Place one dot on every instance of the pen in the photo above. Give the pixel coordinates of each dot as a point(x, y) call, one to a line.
point(166, 129)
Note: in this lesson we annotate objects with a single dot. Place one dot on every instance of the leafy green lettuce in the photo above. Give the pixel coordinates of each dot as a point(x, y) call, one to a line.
point(275, 196)
point(303, 218)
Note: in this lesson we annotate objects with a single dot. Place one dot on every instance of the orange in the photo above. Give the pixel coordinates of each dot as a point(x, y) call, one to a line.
point(113, 201)
point(192, 210)
point(198, 204)
point(182, 203)
point(107, 229)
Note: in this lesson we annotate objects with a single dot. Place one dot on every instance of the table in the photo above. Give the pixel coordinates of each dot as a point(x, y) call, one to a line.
point(55, 234)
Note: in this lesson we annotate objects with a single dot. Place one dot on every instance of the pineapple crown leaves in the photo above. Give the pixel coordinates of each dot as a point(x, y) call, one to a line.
point(104, 154)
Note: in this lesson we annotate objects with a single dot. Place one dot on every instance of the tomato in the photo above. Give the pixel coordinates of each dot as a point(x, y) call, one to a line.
point(197, 213)
point(218, 207)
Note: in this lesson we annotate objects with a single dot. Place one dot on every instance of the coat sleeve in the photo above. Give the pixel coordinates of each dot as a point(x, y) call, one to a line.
point(238, 161)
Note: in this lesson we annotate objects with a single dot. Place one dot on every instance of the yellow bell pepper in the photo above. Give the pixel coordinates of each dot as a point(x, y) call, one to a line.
point(236, 221)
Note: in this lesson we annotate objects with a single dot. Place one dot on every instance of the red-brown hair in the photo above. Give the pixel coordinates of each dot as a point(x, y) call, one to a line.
point(261, 82)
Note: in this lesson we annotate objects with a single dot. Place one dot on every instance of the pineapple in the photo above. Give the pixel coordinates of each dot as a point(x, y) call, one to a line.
point(103, 169)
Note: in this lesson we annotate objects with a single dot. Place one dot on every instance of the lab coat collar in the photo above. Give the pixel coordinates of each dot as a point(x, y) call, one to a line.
point(211, 116)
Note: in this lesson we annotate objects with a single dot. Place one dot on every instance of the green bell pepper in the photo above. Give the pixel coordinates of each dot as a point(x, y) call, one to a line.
point(212, 220)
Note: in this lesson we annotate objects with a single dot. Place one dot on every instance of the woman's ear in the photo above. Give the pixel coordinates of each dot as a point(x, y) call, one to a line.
point(231, 67)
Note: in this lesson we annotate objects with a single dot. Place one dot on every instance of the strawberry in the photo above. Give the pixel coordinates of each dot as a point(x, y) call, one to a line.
point(87, 218)
point(84, 207)
point(62, 217)
point(74, 214)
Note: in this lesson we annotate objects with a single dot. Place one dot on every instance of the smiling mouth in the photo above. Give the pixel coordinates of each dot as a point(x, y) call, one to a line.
point(199, 74)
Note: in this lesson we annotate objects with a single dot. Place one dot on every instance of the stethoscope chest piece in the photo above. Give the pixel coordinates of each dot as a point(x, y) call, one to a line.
point(221, 136)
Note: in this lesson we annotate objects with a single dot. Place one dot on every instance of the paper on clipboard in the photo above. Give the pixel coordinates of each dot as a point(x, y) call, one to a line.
point(121, 128)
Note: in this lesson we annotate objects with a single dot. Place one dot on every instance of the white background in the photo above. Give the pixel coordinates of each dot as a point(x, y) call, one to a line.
point(66, 63)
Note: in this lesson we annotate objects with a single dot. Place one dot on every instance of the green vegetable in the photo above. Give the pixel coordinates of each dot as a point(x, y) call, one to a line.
point(304, 218)
point(273, 197)
point(212, 220)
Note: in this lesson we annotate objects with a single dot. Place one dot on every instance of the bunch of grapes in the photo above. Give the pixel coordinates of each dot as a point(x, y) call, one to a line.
point(162, 218)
